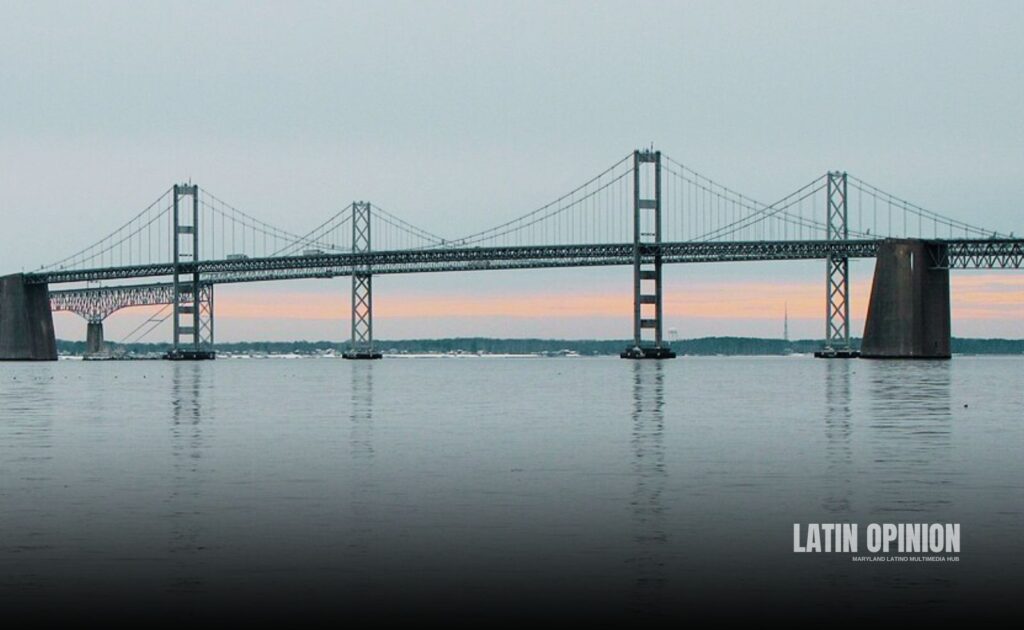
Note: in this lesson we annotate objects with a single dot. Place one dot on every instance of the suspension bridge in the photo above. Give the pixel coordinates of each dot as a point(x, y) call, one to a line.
point(646, 210)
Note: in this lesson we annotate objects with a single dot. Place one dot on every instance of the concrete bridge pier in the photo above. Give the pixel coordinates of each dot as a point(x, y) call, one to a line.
point(94, 338)
point(908, 316)
point(26, 323)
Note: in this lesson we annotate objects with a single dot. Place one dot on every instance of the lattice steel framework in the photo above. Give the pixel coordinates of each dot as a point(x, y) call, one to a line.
point(837, 270)
point(206, 316)
point(361, 345)
point(326, 265)
point(95, 304)
point(980, 254)
point(187, 291)
point(647, 259)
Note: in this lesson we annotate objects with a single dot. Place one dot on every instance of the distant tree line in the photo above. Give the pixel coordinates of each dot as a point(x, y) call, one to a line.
point(701, 346)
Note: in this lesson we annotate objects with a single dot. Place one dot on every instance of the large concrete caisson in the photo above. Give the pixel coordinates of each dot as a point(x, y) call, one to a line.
point(908, 316)
point(26, 323)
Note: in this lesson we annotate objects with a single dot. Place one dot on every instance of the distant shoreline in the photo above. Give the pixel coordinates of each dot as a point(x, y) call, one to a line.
point(704, 346)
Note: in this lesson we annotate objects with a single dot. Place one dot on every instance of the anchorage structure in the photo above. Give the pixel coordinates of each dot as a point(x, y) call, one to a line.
point(837, 275)
point(361, 345)
point(647, 259)
point(190, 301)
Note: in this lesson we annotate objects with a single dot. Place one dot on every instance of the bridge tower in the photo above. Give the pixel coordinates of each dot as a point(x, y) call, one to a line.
point(193, 304)
point(361, 344)
point(647, 312)
point(837, 275)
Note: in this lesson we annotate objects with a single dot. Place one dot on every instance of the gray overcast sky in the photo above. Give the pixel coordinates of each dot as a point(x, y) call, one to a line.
point(457, 115)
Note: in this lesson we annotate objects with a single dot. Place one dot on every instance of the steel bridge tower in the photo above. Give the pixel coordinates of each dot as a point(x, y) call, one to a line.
point(837, 275)
point(361, 344)
point(193, 304)
point(647, 311)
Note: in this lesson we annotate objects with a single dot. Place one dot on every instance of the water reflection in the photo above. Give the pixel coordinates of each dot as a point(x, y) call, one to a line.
point(28, 527)
point(838, 433)
point(229, 474)
point(647, 501)
point(912, 461)
point(185, 516)
point(28, 413)
point(362, 522)
point(910, 436)
point(361, 436)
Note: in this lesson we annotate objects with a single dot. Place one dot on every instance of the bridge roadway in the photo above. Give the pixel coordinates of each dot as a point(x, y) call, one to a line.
point(962, 254)
point(96, 303)
point(464, 259)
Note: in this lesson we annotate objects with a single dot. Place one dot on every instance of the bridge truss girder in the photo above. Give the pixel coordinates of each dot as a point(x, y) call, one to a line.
point(989, 254)
point(510, 257)
point(962, 254)
point(96, 304)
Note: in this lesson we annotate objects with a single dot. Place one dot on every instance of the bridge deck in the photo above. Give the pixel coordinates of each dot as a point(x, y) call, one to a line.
point(463, 259)
point(963, 254)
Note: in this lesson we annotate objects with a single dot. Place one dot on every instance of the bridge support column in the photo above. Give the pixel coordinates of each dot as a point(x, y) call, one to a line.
point(837, 276)
point(94, 338)
point(187, 289)
point(361, 344)
point(26, 322)
point(647, 311)
point(908, 316)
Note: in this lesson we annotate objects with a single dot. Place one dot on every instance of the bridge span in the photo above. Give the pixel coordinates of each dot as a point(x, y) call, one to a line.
point(669, 213)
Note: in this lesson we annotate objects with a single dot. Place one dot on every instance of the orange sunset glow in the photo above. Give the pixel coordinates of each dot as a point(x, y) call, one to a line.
point(983, 304)
point(973, 296)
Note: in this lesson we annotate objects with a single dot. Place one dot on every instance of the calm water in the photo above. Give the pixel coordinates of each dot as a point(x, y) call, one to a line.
point(512, 486)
